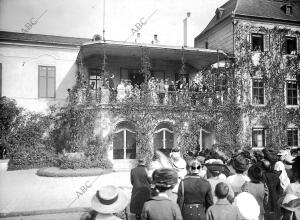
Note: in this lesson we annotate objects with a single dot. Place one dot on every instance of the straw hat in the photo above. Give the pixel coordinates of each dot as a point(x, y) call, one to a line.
point(247, 205)
point(109, 199)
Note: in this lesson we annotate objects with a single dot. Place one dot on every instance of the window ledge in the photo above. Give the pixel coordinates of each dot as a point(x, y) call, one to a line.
point(292, 106)
point(258, 105)
point(258, 148)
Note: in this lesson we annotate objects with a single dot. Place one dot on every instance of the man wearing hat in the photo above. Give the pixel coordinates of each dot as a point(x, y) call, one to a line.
point(194, 194)
point(161, 207)
point(141, 188)
point(107, 200)
point(240, 164)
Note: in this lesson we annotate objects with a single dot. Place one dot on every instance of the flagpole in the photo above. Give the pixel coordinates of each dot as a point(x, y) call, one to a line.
point(103, 20)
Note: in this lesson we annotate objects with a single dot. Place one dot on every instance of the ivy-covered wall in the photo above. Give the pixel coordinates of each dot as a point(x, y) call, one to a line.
point(273, 67)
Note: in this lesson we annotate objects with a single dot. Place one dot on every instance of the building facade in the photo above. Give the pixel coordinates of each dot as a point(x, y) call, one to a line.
point(263, 38)
point(143, 96)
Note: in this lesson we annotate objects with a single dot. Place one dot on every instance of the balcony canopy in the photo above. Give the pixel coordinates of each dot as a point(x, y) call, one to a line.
point(196, 57)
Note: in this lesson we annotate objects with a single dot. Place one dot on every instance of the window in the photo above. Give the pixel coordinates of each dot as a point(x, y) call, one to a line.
point(47, 79)
point(95, 79)
point(257, 92)
point(220, 80)
point(124, 141)
point(164, 137)
point(258, 137)
point(257, 42)
point(291, 93)
point(291, 45)
point(292, 137)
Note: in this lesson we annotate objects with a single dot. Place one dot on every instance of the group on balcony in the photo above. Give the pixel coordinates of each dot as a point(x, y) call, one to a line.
point(154, 91)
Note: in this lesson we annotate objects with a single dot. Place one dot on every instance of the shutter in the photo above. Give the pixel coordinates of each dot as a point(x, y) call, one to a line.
point(266, 42)
point(283, 44)
point(250, 40)
point(42, 82)
point(51, 82)
point(298, 45)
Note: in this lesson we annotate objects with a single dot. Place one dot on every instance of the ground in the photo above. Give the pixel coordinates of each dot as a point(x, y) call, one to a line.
point(24, 191)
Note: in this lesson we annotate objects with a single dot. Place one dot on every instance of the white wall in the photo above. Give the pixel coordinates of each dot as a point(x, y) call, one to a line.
point(20, 72)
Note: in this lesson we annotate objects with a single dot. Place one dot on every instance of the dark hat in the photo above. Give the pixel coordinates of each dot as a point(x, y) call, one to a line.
point(141, 160)
point(165, 177)
point(258, 154)
point(240, 163)
point(255, 173)
point(216, 169)
point(270, 155)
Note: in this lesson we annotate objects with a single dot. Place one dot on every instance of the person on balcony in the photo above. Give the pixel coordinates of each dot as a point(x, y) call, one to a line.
point(152, 90)
point(194, 89)
point(128, 89)
point(161, 91)
point(121, 91)
point(111, 87)
point(172, 93)
point(166, 101)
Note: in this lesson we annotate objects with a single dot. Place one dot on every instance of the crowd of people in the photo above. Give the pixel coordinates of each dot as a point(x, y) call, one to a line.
point(263, 185)
point(156, 91)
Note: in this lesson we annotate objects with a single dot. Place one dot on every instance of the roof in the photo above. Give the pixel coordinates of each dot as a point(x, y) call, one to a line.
point(259, 9)
point(41, 39)
point(196, 57)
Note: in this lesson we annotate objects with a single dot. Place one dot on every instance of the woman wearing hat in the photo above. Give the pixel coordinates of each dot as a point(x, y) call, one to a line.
point(194, 194)
point(257, 188)
point(215, 177)
point(161, 207)
point(107, 200)
point(240, 165)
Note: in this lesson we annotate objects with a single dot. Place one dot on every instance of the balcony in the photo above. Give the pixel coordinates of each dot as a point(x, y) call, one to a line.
point(155, 98)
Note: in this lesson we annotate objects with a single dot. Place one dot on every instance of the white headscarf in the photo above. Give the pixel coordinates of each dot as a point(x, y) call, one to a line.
point(284, 179)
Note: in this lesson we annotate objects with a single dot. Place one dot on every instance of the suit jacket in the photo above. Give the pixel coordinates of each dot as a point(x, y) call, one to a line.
point(196, 191)
point(160, 208)
point(140, 188)
point(223, 210)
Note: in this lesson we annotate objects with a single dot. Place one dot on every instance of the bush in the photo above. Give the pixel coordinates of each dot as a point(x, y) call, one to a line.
point(32, 157)
point(28, 144)
point(8, 113)
point(65, 162)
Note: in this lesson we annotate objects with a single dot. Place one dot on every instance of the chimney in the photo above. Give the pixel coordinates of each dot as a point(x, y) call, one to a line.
point(155, 39)
point(188, 14)
point(219, 12)
point(138, 38)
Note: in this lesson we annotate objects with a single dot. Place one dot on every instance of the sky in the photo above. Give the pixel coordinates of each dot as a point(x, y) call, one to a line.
point(122, 19)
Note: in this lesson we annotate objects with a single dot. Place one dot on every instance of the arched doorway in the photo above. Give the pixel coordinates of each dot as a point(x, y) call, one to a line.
point(124, 141)
point(163, 138)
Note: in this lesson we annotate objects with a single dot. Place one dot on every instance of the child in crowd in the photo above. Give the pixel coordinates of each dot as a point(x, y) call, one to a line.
point(222, 210)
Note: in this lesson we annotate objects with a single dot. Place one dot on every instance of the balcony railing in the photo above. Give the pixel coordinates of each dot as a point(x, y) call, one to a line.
point(155, 98)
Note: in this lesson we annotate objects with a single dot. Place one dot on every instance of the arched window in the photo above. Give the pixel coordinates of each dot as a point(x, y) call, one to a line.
point(124, 141)
point(163, 137)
